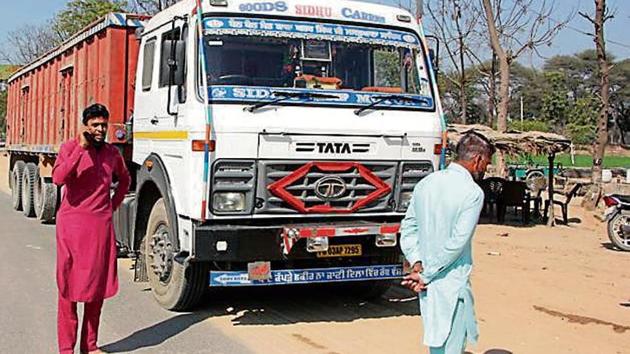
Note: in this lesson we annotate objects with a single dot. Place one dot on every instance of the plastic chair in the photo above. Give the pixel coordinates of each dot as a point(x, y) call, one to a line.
point(563, 202)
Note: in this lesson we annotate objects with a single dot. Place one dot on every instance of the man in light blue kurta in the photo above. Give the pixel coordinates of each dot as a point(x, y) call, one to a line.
point(436, 237)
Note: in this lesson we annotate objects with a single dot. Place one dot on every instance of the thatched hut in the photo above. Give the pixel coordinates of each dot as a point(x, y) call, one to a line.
point(517, 143)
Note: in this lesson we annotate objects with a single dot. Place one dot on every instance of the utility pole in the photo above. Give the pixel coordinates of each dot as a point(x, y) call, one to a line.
point(521, 112)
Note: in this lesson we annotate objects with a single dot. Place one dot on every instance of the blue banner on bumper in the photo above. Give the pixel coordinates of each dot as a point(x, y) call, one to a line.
point(308, 276)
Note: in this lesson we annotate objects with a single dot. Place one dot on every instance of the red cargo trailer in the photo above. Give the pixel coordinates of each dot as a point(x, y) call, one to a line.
point(46, 99)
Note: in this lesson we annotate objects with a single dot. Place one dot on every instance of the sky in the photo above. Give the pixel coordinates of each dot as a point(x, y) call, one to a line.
point(569, 41)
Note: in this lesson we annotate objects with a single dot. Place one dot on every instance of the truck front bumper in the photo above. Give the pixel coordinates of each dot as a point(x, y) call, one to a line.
point(244, 243)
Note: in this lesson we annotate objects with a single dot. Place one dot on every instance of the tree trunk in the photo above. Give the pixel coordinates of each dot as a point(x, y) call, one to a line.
point(462, 64)
point(504, 93)
point(504, 84)
point(601, 135)
point(492, 95)
point(599, 145)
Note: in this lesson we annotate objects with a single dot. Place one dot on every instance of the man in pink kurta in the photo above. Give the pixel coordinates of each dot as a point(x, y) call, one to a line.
point(86, 245)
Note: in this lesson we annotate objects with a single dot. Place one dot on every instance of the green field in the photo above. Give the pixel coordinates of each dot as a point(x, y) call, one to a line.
point(580, 161)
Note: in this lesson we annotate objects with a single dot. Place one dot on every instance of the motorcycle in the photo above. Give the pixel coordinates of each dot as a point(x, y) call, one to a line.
point(618, 216)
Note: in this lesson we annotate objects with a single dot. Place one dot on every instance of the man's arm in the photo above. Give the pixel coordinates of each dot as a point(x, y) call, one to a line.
point(124, 180)
point(66, 163)
point(461, 235)
point(409, 233)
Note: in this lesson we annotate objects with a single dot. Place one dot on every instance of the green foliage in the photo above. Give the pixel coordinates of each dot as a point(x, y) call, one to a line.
point(526, 83)
point(387, 66)
point(580, 161)
point(529, 125)
point(582, 120)
point(80, 13)
point(555, 103)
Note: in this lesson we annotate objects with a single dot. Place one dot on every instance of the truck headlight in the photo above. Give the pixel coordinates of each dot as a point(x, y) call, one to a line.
point(228, 201)
point(405, 199)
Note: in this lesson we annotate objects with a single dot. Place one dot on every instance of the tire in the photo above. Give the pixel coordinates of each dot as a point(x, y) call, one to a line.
point(175, 286)
point(615, 233)
point(29, 177)
point(16, 184)
point(45, 201)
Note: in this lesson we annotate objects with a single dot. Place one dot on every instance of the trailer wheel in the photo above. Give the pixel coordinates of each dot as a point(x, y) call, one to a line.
point(175, 286)
point(16, 184)
point(45, 200)
point(30, 175)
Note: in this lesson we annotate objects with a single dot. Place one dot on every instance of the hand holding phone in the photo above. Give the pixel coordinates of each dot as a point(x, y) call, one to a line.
point(85, 140)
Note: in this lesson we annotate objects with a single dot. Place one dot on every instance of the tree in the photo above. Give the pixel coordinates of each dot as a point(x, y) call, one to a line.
point(514, 30)
point(80, 13)
point(599, 144)
point(555, 106)
point(151, 7)
point(26, 43)
point(582, 119)
point(620, 101)
point(453, 22)
point(527, 84)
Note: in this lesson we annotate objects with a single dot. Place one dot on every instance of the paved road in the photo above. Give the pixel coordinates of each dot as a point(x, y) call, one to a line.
point(131, 321)
point(276, 320)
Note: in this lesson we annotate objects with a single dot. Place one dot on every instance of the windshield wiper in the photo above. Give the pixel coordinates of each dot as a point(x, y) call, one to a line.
point(284, 95)
point(382, 99)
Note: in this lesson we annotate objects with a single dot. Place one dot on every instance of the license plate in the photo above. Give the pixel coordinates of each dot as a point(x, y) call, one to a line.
point(341, 251)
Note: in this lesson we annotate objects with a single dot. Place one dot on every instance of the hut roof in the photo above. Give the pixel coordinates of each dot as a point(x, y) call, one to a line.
point(513, 142)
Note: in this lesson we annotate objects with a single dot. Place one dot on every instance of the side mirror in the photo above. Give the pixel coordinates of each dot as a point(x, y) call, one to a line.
point(434, 52)
point(176, 62)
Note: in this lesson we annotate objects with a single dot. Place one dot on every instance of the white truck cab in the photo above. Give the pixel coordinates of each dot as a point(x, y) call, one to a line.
point(312, 121)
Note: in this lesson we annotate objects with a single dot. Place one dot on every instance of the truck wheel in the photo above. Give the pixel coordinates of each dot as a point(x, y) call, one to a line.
point(16, 184)
point(615, 231)
point(175, 286)
point(45, 200)
point(31, 173)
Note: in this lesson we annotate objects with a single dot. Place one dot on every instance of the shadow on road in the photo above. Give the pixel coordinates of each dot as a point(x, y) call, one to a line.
point(306, 304)
point(611, 247)
point(156, 334)
point(274, 306)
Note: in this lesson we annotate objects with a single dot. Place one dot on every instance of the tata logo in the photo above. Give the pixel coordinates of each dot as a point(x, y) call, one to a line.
point(361, 15)
point(330, 188)
point(279, 6)
point(334, 148)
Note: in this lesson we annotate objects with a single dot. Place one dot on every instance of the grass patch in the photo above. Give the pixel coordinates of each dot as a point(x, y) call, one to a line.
point(580, 161)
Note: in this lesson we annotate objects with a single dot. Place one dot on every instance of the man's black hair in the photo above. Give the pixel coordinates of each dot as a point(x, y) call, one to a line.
point(472, 145)
point(93, 111)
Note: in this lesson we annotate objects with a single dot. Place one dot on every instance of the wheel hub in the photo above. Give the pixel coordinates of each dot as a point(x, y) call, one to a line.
point(161, 253)
point(618, 229)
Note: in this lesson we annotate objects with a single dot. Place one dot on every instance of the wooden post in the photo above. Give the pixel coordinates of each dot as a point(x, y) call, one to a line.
point(551, 221)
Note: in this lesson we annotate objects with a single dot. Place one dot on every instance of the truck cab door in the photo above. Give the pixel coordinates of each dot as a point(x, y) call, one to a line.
point(160, 95)
point(171, 76)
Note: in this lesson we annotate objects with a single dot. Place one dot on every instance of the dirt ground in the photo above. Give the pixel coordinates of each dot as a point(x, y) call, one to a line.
point(537, 290)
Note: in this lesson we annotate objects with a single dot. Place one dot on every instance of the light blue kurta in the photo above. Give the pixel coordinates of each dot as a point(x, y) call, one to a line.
point(437, 231)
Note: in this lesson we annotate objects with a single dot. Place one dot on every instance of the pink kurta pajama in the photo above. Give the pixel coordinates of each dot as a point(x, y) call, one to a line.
point(86, 245)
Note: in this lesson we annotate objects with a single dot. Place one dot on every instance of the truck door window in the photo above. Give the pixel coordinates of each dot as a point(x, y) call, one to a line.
point(147, 64)
point(165, 55)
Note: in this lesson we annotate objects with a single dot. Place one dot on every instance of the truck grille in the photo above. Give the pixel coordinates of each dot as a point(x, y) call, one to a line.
point(300, 187)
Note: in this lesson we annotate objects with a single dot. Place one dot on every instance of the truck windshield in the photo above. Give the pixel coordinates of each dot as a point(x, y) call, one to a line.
point(278, 62)
point(247, 62)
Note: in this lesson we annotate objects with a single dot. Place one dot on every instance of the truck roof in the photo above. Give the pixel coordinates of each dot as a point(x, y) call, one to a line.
point(359, 12)
point(112, 19)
